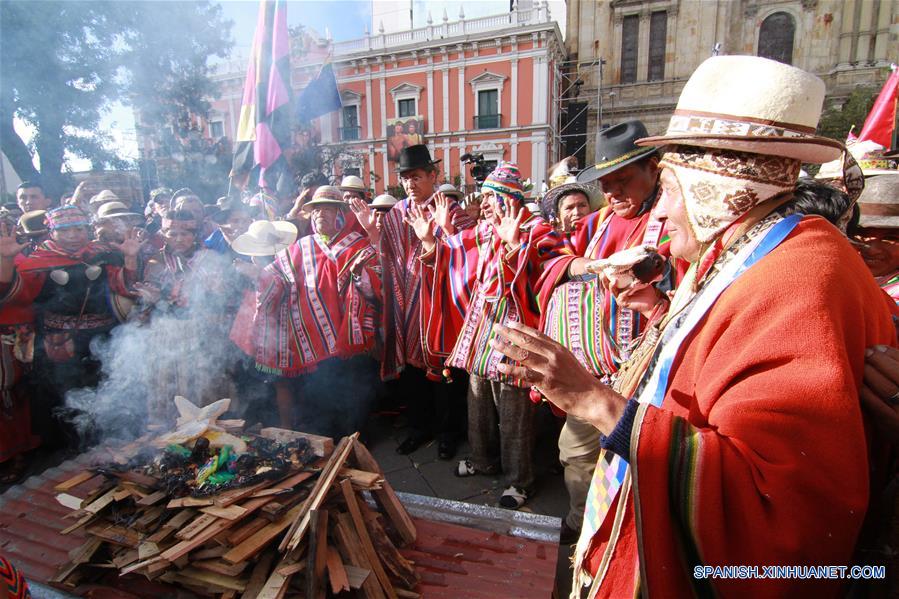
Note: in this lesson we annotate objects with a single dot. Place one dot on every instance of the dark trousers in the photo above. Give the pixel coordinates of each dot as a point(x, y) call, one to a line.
point(336, 399)
point(435, 408)
point(501, 420)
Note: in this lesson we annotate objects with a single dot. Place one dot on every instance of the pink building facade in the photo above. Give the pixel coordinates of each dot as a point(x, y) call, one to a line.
point(488, 85)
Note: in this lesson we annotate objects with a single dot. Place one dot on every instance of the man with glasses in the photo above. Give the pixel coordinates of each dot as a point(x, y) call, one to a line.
point(431, 411)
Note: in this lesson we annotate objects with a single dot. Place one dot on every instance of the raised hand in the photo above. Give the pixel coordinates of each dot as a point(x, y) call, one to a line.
point(442, 213)
point(507, 224)
point(365, 215)
point(9, 245)
point(130, 248)
point(421, 224)
point(554, 371)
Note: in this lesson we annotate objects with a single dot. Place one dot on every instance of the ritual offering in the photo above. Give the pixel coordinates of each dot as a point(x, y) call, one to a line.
point(630, 267)
point(225, 513)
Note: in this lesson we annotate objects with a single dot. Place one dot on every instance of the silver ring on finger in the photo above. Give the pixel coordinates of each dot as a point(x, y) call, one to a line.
point(893, 399)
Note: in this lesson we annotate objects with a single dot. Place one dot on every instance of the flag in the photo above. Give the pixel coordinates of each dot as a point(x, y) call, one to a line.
point(264, 128)
point(881, 120)
point(320, 96)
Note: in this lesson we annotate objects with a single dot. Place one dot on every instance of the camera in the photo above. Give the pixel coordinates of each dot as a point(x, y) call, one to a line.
point(476, 166)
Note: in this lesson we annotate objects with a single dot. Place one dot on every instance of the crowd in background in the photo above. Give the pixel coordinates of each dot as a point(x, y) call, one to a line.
point(322, 305)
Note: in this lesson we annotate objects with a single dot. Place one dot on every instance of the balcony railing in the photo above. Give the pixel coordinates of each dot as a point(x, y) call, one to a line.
point(488, 121)
point(350, 133)
point(539, 13)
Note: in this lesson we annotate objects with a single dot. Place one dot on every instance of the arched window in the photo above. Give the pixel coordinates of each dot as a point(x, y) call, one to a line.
point(776, 37)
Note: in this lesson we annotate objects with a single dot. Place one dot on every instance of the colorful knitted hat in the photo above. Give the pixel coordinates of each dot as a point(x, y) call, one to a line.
point(505, 182)
point(66, 217)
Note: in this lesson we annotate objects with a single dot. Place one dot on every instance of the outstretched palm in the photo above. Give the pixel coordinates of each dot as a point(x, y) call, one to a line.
point(365, 215)
point(130, 248)
point(443, 214)
point(421, 224)
point(9, 245)
point(507, 224)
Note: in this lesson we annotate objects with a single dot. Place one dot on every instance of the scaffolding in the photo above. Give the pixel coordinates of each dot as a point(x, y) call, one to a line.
point(572, 75)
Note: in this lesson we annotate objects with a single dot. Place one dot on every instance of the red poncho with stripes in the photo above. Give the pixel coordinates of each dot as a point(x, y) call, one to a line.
point(316, 301)
point(760, 454)
point(579, 313)
point(400, 249)
point(471, 282)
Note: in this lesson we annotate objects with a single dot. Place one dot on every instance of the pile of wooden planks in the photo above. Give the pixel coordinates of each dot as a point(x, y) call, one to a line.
point(309, 533)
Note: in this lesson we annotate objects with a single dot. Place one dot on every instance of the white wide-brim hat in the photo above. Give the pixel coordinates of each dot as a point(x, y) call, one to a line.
point(879, 202)
point(385, 202)
point(352, 183)
point(751, 104)
point(265, 238)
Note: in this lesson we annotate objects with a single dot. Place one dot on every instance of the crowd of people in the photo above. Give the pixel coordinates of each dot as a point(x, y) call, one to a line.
point(752, 371)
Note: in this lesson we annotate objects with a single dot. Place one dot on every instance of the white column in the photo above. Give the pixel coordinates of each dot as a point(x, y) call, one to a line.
point(386, 175)
point(446, 99)
point(535, 104)
point(383, 130)
point(513, 116)
point(231, 122)
point(514, 145)
point(542, 91)
point(431, 120)
point(371, 164)
point(462, 126)
point(370, 133)
point(539, 161)
point(447, 165)
point(327, 136)
point(535, 159)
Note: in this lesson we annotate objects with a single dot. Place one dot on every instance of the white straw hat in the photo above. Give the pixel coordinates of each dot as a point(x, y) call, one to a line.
point(751, 104)
point(385, 202)
point(265, 238)
point(870, 158)
point(352, 183)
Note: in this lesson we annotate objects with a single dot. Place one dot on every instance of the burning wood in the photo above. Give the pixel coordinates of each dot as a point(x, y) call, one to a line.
point(286, 513)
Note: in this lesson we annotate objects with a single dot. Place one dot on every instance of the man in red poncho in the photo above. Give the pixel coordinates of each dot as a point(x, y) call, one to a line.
point(431, 409)
point(317, 311)
point(734, 435)
point(479, 270)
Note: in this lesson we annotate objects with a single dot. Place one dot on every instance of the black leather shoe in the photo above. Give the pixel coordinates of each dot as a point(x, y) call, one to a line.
point(446, 449)
point(411, 443)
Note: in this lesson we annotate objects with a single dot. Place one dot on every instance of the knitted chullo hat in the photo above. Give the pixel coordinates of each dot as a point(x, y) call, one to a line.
point(505, 181)
point(67, 216)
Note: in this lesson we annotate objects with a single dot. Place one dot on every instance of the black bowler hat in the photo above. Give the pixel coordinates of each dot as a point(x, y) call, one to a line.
point(615, 148)
point(413, 157)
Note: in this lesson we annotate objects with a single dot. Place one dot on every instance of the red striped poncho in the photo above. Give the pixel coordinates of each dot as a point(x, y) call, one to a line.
point(760, 454)
point(580, 314)
point(400, 249)
point(316, 301)
point(473, 282)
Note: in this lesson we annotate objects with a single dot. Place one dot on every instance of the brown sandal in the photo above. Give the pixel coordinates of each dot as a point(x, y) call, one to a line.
point(14, 470)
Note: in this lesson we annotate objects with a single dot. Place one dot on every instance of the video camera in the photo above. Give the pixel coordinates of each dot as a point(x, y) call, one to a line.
point(477, 168)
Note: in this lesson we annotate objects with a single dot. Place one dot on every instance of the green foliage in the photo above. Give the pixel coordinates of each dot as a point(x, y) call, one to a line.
point(838, 119)
point(64, 62)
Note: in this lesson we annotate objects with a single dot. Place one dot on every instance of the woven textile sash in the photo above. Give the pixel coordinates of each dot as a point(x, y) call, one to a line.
point(611, 469)
point(625, 318)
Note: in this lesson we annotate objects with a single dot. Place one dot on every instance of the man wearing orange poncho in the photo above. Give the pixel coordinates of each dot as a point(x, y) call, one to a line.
point(734, 435)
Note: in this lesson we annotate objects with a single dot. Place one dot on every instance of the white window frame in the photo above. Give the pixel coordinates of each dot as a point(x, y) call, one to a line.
point(351, 99)
point(218, 121)
point(406, 91)
point(487, 81)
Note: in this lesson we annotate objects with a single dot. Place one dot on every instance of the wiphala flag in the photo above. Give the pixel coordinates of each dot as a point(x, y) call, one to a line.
point(264, 126)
